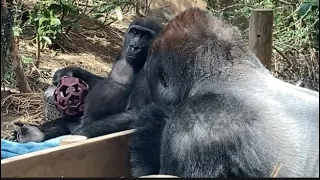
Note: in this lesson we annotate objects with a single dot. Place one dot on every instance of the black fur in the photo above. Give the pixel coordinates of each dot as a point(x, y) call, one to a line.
point(149, 129)
point(230, 117)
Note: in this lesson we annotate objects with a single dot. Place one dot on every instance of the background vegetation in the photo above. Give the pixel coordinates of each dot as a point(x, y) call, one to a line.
point(295, 35)
point(45, 22)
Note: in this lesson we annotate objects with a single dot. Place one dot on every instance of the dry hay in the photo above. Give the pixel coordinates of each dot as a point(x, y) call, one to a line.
point(276, 170)
point(300, 65)
point(28, 105)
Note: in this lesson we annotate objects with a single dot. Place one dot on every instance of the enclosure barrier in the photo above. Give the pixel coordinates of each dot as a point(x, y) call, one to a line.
point(260, 35)
point(105, 156)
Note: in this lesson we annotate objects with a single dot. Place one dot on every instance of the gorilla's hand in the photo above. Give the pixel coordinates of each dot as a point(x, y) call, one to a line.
point(27, 133)
point(69, 71)
point(78, 72)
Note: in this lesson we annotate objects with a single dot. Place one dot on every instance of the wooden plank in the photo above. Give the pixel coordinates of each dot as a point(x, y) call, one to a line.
point(159, 176)
point(105, 156)
point(260, 35)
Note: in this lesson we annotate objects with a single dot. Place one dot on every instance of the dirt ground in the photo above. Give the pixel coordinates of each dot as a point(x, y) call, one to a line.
point(90, 47)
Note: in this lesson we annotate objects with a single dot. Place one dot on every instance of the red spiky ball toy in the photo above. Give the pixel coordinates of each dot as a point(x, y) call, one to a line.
point(70, 94)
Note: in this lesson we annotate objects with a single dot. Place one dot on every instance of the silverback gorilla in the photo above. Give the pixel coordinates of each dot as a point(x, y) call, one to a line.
point(107, 96)
point(216, 111)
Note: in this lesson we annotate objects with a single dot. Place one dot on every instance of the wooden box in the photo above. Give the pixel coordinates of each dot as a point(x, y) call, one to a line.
point(105, 156)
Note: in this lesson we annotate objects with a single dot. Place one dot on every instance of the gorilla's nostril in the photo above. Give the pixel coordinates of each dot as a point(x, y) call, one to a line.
point(132, 49)
point(137, 49)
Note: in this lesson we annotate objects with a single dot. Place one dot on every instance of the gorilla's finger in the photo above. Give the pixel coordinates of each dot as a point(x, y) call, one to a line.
point(19, 123)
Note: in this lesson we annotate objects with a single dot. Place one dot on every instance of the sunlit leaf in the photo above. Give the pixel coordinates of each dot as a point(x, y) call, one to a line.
point(118, 12)
point(55, 21)
point(106, 8)
point(41, 20)
point(98, 15)
point(26, 59)
point(47, 39)
point(17, 31)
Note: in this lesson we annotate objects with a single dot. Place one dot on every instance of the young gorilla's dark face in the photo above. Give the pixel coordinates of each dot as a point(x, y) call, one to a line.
point(137, 44)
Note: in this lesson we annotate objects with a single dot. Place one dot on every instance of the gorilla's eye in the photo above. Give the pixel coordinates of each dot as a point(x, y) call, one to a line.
point(163, 78)
point(146, 35)
point(133, 31)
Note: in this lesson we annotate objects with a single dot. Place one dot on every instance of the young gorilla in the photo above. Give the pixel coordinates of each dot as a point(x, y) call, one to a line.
point(107, 96)
point(217, 111)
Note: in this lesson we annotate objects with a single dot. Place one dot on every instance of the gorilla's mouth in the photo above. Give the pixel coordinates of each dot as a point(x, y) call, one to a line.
point(131, 57)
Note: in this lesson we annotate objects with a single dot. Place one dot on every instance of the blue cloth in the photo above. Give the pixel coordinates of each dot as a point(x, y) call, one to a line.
point(11, 149)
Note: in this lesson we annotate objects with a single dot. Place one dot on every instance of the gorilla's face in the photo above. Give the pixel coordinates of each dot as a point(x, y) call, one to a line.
point(168, 81)
point(138, 42)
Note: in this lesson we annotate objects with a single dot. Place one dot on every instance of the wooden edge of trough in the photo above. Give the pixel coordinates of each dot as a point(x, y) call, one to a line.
point(104, 156)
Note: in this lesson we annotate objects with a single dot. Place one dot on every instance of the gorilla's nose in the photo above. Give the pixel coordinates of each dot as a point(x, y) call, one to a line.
point(134, 49)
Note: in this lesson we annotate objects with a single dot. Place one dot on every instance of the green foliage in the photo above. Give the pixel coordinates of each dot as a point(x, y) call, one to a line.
point(108, 8)
point(295, 33)
point(294, 21)
point(52, 18)
point(48, 20)
point(17, 22)
point(26, 60)
point(308, 5)
point(47, 17)
point(17, 31)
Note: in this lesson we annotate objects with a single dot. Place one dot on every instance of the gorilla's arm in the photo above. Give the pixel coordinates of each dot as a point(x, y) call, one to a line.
point(140, 95)
point(86, 126)
point(88, 77)
point(45, 131)
point(147, 139)
point(107, 98)
point(55, 128)
point(110, 95)
point(75, 71)
point(111, 124)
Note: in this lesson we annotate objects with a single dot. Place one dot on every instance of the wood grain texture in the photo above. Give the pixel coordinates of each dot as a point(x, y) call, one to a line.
point(105, 156)
point(71, 139)
point(260, 35)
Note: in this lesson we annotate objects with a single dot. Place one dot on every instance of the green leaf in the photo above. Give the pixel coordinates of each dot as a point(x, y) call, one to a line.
point(304, 8)
point(55, 21)
point(47, 39)
point(17, 31)
point(26, 59)
point(41, 20)
point(98, 15)
point(106, 8)
point(312, 2)
point(118, 12)
point(315, 3)
point(51, 14)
